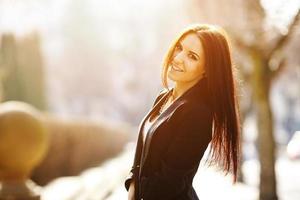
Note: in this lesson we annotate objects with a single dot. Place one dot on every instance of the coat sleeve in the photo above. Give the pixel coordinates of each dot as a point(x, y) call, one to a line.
point(193, 134)
point(134, 168)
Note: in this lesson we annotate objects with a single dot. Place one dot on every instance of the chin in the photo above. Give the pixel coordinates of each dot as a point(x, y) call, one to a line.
point(172, 77)
point(175, 77)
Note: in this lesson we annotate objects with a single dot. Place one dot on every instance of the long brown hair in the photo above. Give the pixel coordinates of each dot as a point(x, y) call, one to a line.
point(225, 143)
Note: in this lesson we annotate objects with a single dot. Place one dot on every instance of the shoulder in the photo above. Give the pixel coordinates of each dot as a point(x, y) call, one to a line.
point(193, 110)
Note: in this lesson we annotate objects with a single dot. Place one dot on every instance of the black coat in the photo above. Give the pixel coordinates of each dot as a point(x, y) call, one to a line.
point(165, 166)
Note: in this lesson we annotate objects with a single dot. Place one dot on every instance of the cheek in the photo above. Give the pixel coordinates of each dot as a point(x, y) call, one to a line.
point(194, 67)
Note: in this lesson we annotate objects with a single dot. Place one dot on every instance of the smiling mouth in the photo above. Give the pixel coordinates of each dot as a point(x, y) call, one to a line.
point(175, 68)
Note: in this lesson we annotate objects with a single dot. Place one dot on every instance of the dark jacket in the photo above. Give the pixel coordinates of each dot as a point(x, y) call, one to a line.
point(165, 166)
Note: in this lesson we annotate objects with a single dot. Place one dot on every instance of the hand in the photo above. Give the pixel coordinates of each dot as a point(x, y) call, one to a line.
point(131, 191)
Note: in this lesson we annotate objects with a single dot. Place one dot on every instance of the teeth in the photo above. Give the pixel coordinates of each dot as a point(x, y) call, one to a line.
point(177, 69)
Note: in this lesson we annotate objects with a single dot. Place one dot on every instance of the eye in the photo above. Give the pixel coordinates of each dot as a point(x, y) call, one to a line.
point(192, 56)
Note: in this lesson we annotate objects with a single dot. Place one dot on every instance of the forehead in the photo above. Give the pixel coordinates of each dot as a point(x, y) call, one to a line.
point(192, 42)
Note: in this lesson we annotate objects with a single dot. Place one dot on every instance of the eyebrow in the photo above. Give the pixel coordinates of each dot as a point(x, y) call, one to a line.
point(190, 51)
point(195, 54)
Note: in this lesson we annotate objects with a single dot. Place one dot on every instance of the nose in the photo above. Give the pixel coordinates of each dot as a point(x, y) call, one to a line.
point(178, 59)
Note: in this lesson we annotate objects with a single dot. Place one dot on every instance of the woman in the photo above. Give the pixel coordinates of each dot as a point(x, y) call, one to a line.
point(200, 109)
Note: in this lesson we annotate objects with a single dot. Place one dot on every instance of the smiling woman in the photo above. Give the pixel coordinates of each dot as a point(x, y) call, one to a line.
point(200, 109)
point(187, 65)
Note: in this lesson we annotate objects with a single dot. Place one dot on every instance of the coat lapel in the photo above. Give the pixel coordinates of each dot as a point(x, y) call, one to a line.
point(155, 107)
point(199, 90)
point(160, 119)
point(140, 145)
point(164, 116)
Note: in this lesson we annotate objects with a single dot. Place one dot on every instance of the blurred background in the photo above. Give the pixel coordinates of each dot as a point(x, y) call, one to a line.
point(92, 68)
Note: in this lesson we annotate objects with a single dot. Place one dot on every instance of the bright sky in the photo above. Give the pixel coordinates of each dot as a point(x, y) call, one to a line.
point(280, 11)
point(23, 16)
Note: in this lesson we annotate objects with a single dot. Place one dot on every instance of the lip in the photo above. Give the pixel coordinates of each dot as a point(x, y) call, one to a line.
point(176, 68)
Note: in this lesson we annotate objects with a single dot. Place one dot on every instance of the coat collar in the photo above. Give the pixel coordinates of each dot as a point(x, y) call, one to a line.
point(198, 92)
point(194, 95)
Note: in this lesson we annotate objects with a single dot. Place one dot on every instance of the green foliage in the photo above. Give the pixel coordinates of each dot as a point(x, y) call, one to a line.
point(21, 70)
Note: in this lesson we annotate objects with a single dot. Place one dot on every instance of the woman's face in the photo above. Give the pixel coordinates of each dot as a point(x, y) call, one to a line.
point(187, 61)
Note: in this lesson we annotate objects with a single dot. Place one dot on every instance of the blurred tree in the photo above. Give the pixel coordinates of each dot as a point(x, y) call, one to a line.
point(268, 62)
point(22, 70)
point(262, 59)
point(9, 66)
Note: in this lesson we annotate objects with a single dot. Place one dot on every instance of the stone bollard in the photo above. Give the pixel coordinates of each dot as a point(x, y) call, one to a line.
point(23, 145)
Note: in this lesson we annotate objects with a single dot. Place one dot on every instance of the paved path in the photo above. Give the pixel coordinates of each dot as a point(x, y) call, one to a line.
point(97, 183)
point(212, 185)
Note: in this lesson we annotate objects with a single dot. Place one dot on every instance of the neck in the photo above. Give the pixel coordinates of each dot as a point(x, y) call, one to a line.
point(182, 87)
